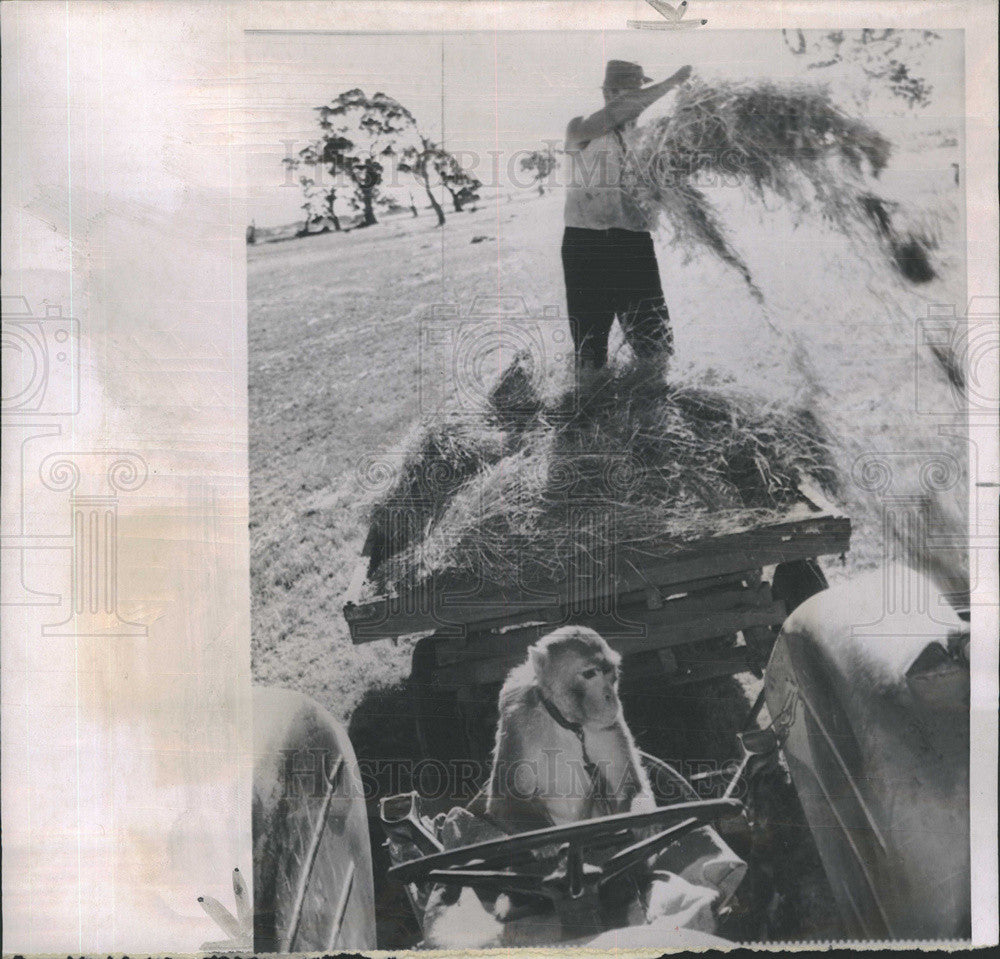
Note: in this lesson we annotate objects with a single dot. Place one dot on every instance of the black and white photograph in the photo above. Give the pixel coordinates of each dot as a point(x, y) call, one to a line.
point(608, 488)
point(498, 474)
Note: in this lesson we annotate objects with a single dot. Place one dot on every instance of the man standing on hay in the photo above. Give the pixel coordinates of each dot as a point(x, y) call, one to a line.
point(607, 250)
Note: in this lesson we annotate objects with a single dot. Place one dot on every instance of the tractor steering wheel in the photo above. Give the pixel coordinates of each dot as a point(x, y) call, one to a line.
point(490, 865)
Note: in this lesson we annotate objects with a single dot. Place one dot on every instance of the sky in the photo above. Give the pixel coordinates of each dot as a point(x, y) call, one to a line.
point(502, 92)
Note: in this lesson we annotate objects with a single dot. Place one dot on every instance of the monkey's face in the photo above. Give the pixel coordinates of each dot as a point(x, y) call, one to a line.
point(593, 689)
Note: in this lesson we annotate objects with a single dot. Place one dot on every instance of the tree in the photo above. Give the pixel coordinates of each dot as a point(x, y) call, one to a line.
point(431, 161)
point(329, 207)
point(888, 57)
point(457, 182)
point(309, 217)
point(359, 134)
point(310, 205)
point(419, 161)
point(317, 203)
point(541, 163)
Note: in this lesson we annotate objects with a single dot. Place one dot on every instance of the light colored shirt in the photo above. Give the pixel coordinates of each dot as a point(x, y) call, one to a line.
point(595, 199)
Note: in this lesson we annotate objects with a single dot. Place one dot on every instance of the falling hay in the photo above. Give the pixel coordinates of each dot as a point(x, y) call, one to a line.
point(790, 141)
point(633, 460)
point(907, 247)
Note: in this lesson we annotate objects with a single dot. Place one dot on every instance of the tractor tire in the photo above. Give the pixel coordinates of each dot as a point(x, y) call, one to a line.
point(313, 887)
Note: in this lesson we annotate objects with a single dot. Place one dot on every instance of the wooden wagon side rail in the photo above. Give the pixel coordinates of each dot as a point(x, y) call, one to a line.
point(627, 626)
point(448, 605)
point(484, 659)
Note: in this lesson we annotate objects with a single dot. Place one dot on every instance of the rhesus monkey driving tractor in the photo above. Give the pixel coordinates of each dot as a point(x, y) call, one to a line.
point(563, 752)
point(564, 759)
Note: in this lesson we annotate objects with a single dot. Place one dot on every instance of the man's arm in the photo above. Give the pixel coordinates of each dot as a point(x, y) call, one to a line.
point(620, 110)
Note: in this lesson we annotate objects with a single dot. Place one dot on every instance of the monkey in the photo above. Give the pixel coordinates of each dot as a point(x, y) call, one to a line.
point(563, 751)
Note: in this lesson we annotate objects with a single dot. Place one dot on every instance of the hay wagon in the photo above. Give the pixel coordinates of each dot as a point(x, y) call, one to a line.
point(678, 615)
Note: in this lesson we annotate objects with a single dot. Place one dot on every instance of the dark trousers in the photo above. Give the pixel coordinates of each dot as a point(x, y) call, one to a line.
point(614, 273)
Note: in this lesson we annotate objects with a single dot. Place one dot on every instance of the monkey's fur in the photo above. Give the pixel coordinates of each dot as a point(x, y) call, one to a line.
point(538, 773)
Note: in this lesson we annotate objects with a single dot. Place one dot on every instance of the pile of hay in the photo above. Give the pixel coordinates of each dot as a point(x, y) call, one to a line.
point(632, 459)
point(441, 458)
point(789, 140)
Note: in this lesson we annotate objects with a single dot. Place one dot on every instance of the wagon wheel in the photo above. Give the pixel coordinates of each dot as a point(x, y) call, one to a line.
point(796, 581)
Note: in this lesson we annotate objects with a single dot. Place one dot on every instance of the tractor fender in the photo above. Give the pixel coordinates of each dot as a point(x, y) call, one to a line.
point(313, 887)
point(868, 692)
